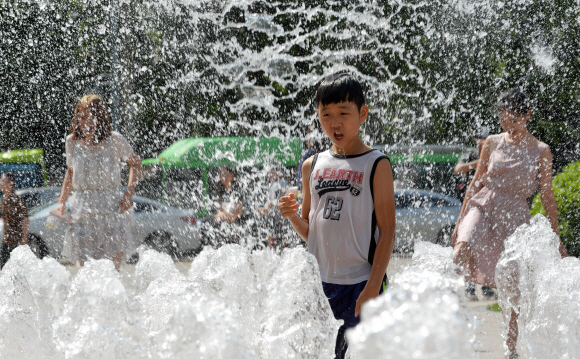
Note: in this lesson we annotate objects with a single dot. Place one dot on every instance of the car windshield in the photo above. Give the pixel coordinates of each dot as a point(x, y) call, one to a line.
point(43, 210)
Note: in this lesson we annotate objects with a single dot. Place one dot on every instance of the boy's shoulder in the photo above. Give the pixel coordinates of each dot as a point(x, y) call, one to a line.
point(309, 162)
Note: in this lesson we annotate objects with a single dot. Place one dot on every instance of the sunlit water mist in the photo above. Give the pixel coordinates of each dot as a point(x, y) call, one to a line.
point(431, 69)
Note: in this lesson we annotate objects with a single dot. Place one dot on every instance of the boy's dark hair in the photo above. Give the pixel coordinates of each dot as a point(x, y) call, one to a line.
point(340, 87)
point(10, 177)
point(513, 100)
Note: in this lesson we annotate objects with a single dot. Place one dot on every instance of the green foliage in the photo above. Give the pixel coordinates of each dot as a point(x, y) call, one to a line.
point(494, 307)
point(567, 192)
point(431, 69)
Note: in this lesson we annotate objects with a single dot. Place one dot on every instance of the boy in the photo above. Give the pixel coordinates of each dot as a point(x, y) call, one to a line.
point(15, 216)
point(348, 195)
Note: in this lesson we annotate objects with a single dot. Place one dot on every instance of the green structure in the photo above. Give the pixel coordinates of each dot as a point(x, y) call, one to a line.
point(190, 159)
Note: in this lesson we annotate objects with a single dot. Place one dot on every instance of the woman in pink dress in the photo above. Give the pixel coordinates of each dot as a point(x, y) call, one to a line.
point(513, 165)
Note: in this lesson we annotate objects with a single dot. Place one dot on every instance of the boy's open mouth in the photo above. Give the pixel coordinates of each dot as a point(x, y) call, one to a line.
point(338, 136)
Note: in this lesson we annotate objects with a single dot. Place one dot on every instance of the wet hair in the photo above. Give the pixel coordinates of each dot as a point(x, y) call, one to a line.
point(340, 87)
point(97, 106)
point(513, 100)
point(10, 177)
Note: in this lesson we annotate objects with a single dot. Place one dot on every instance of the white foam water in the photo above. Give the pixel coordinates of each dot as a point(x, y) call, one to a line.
point(535, 281)
point(233, 303)
point(422, 315)
point(237, 303)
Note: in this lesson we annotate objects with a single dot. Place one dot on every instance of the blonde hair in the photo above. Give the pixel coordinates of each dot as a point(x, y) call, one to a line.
point(97, 106)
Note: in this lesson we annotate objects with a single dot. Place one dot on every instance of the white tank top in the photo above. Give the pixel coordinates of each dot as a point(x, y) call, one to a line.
point(343, 226)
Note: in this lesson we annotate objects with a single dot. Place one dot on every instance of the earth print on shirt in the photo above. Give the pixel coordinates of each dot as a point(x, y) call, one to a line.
point(336, 180)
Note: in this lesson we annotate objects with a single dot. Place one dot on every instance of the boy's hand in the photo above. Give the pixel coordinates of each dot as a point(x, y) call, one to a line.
point(288, 205)
point(366, 295)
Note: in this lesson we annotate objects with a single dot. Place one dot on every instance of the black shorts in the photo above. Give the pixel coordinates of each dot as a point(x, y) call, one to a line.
point(342, 299)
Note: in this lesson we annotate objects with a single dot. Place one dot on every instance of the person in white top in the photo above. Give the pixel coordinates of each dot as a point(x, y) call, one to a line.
point(271, 221)
point(101, 213)
point(348, 210)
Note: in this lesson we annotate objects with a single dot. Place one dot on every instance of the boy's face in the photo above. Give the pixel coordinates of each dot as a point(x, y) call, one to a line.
point(341, 121)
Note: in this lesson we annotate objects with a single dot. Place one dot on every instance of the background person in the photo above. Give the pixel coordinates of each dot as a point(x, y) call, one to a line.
point(468, 162)
point(15, 215)
point(227, 225)
point(513, 165)
point(101, 220)
point(231, 208)
point(272, 220)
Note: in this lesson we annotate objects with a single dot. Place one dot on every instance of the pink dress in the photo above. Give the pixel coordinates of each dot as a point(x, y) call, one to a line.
point(500, 207)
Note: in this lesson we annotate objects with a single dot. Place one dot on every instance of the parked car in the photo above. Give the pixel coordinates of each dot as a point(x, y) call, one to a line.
point(424, 216)
point(164, 228)
point(428, 167)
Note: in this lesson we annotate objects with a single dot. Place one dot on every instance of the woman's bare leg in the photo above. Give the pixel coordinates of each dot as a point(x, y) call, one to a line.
point(117, 259)
point(512, 335)
point(463, 257)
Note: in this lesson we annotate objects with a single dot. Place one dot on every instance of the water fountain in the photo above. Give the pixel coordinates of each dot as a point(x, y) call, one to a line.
point(248, 67)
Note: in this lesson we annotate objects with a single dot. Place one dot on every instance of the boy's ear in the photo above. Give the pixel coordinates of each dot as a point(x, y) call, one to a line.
point(364, 113)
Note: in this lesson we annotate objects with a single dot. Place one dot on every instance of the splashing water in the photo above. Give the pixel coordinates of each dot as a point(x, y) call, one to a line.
point(249, 67)
point(423, 314)
point(545, 289)
point(232, 303)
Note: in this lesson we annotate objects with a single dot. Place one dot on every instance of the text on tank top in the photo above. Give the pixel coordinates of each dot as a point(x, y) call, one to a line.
point(343, 227)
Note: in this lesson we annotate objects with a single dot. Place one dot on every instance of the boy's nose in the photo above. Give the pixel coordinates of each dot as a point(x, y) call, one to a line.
point(336, 122)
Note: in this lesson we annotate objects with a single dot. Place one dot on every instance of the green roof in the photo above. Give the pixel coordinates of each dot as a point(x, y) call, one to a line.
point(35, 155)
point(209, 152)
point(423, 153)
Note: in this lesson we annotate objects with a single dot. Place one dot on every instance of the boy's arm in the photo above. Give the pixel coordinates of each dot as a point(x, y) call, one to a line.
point(384, 198)
point(289, 207)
